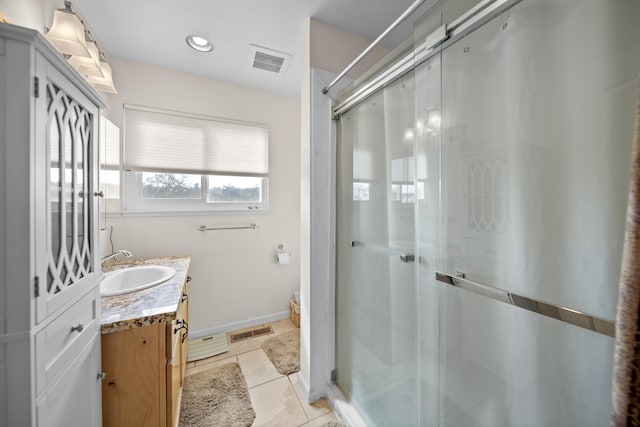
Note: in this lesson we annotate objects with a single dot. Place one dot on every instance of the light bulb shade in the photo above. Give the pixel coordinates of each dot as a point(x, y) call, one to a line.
point(88, 66)
point(67, 34)
point(103, 84)
point(409, 134)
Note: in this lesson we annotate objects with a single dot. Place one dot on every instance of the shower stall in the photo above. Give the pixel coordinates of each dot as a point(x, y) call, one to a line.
point(483, 173)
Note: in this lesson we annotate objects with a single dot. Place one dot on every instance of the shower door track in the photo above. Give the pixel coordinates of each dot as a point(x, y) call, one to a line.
point(558, 312)
point(435, 42)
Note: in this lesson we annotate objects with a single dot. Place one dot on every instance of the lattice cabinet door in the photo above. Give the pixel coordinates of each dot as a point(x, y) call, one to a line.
point(66, 226)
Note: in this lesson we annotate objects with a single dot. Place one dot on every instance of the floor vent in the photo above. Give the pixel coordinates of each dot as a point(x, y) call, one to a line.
point(239, 336)
point(204, 347)
point(266, 59)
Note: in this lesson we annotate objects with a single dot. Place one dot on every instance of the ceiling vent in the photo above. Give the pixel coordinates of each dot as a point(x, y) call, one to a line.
point(266, 59)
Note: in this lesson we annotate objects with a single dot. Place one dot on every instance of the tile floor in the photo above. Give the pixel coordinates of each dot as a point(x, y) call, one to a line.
point(276, 398)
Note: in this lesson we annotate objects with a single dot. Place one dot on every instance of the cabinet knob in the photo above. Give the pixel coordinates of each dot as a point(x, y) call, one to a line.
point(78, 328)
point(99, 193)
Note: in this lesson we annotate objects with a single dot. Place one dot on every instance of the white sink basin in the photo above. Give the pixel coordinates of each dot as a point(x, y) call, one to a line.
point(133, 279)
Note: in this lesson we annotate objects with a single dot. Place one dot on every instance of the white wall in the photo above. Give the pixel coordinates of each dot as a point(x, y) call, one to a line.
point(34, 14)
point(235, 277)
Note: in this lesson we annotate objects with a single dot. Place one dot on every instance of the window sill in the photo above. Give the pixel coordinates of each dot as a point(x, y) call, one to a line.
point(193, 212)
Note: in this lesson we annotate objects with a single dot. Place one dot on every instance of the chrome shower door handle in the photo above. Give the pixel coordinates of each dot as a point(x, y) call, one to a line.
point(567, 315)
point(407, 258)
point(404, 256)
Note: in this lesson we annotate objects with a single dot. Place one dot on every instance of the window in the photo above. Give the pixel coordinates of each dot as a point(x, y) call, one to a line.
point(182, 162)
point(361, 191)
point(362, 173)
point(110, 165)
point(403, 189)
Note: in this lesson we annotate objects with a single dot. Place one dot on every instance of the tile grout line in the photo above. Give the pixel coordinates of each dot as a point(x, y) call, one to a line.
point(301, 405)
point(299, 402)
point(266, 382)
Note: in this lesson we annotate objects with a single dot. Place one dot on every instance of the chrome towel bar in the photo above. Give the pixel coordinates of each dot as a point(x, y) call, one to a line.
point(253, 226)
point(564, 314)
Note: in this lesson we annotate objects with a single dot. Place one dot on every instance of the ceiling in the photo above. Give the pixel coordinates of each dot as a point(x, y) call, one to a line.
point(154, 31)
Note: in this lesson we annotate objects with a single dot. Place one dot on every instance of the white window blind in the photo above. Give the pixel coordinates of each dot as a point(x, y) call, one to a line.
point(109, 144)
point(167, 141)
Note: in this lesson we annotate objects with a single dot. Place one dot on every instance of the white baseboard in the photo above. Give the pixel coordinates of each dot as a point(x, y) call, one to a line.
point(234, 326)
point(308, 395)
point(304, 386)
point(348, 415)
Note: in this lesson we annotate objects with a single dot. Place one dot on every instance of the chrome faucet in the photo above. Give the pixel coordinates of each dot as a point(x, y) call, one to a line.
point(124, 252)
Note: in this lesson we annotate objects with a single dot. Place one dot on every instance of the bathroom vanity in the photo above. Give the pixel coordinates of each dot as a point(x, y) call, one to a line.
point(144, 349)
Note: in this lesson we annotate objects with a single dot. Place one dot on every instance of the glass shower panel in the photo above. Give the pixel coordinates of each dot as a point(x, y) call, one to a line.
point(376, 305)
point(428, 121)
point(508, 367)
point(537, 124)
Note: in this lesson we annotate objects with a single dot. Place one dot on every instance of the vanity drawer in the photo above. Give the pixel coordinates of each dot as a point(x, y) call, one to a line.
point(74, 397)
point(66, 336)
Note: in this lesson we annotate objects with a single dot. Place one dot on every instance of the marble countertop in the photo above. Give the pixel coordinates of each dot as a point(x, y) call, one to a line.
point(148, 306)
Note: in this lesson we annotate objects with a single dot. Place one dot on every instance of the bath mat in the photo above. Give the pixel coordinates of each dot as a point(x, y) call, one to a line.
point(216, 397)
point(284, 351)
point(202, 348)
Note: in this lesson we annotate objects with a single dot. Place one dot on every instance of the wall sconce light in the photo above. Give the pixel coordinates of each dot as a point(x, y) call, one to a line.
point(67, 32)
point(429, 125)
point(88, 66)
point(409, 134)
point(103, 84)
point(435, 120)
point(70, 36)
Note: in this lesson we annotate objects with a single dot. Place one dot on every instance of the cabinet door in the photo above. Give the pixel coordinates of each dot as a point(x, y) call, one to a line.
point(134, 362)
point(184, 337)
point(174, 377)
point(74, 400)
point(178, 336)
point(66, 226)
point(183, 314)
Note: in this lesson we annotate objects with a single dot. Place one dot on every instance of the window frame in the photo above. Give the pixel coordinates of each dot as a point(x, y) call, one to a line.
point(132, 202)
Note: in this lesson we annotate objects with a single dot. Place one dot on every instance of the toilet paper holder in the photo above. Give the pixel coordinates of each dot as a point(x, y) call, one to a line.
point(282, 257)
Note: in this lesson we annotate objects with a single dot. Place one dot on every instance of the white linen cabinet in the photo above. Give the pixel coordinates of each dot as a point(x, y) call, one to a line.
point(49, 260)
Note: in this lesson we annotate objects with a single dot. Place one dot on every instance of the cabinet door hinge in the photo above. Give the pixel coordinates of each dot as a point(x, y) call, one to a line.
point(36, 286)
point(36, 87)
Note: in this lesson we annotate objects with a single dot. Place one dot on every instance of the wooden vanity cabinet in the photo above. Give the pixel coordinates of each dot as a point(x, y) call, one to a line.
point(178, 335)
point(144, 369)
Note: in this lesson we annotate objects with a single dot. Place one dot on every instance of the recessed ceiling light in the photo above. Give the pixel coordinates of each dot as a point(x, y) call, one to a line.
point(199, 43)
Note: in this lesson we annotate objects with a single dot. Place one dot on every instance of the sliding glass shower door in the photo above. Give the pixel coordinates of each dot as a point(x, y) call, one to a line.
point(537, 124)
point(481, 207)
point(376, 305)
